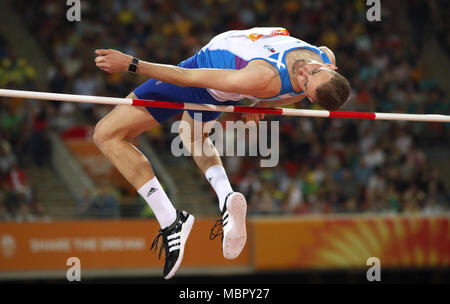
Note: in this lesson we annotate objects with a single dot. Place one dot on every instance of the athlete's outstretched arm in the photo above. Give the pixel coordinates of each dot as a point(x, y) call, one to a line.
point(251, 80)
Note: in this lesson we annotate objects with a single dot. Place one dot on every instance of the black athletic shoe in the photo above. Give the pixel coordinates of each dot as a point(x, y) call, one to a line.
point(174, 239)
point(232, 225)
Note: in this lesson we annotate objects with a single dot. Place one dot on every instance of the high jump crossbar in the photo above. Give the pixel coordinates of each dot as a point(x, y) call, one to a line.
point(220, 108)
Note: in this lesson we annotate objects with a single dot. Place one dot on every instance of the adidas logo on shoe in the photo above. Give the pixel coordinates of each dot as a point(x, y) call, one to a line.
point(174, 239)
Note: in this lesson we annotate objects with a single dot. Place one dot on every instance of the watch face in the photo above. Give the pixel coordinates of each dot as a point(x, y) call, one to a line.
point(133, 65)
point(132, 68)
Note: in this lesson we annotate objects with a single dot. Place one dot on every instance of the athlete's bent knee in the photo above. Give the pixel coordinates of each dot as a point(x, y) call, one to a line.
point(101, 134)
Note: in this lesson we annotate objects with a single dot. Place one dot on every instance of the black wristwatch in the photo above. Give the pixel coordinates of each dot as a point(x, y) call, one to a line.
point(133, 65)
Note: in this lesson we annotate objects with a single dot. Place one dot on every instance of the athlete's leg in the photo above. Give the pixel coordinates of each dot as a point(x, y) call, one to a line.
point(113, 135)
point(231, 204)
point(205, 155)
point(198, 143)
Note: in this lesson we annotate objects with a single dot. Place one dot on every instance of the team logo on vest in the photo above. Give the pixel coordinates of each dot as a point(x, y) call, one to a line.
point(270, 49)
point(254, 36)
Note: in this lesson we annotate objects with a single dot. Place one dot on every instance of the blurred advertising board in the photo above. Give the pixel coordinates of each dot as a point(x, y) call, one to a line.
point(102, 244)
point(279, 243)
point(348, 242)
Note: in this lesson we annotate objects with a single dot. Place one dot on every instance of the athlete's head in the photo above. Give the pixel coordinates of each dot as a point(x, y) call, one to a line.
point(321, 83)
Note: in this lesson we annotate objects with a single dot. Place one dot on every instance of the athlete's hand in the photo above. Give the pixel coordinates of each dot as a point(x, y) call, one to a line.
point(252, 117)
point(112, 61)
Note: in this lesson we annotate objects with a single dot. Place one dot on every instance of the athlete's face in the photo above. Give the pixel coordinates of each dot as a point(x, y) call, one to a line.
point(311, 74)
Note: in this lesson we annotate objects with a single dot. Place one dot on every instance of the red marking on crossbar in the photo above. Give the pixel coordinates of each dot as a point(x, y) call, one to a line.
point(259, 110)
point(343, 114)
point(240, 109)
point(158, 104)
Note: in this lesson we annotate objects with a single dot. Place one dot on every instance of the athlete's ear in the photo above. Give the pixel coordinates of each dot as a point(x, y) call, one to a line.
point(331, 66)
point(329, 53)
point(301, 80)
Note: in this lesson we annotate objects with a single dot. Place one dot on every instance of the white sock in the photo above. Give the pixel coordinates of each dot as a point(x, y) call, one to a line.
point(157, 199)
point(218, 179)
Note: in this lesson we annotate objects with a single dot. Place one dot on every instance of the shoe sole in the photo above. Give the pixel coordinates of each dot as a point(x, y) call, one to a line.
point(185, 231)
point(235, 238)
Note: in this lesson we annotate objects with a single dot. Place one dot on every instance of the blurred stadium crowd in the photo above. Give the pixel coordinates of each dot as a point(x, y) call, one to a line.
point(325, 165)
